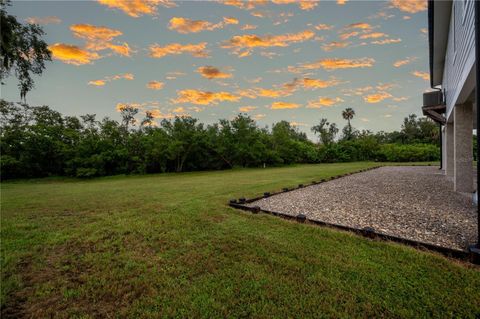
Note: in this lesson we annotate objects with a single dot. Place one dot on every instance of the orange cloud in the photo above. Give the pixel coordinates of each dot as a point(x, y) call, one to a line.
point(373, 35)
point(386, 41)
point(185, 25)
point(303, 5)
point(99, 38)
point(155, 85)
point(347, 35)
point(307, 5)
point(137, 8)
point(254, 93)
point(323, 102)
point(204, 98)
point(245, 4)
point(250, 41)
point(377, 97)
point(230, 20)
point(341, 2)
point(94, 33)
point(410, 6)
point(97, 82)
point(196, 50)
point(403, 62)
point(422, 75)
point(333, 64)
point(360, 25)
point(211, 72)
point(323, 26)
point(72, 54)
point(247, 108)
point(102, 82)
point(43, 20)
point(284, 105)
point(248, 27)
point(319, 84)
point(259, 116)
point(335, 45)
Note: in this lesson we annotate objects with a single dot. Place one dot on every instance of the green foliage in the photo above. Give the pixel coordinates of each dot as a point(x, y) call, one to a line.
point(408, 153)
point(22, 50)
point(39, 142)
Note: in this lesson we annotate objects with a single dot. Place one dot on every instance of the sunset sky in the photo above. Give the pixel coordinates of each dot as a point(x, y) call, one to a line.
point(280, 60)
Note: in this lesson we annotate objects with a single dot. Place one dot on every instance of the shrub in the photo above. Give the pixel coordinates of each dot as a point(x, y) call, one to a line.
point(408, 153)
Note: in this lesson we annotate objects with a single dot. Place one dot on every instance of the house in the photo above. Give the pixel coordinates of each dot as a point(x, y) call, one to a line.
point(451, 36)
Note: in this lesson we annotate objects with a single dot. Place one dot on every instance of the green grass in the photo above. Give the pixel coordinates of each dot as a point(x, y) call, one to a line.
point(168, 246)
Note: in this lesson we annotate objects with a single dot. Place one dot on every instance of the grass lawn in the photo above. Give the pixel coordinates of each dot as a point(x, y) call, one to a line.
point(168, 246)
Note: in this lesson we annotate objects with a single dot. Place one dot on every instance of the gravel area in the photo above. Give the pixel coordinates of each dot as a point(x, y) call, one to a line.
point(416, 203)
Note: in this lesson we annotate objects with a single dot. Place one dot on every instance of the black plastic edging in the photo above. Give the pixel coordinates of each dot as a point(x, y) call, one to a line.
point(366, 232)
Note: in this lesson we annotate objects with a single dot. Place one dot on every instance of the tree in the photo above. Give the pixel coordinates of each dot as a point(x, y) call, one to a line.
point(326, 131)
point(22, 50)
point(348, 115)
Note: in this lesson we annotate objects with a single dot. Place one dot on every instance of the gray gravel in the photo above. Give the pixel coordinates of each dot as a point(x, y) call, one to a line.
point(416, 203)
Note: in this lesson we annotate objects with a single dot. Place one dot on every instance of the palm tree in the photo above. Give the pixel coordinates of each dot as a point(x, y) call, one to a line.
point(348, 114)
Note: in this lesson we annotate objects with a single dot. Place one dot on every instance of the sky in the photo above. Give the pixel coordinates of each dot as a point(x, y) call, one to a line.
point(298, 61)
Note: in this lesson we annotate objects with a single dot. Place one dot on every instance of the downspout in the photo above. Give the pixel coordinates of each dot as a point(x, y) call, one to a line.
point(441, 144)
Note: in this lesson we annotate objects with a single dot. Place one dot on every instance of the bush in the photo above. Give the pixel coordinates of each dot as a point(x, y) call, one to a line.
point(408, 153)
point(83, 172)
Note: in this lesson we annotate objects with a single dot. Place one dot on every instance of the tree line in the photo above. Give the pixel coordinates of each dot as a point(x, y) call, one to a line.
point(39, 142)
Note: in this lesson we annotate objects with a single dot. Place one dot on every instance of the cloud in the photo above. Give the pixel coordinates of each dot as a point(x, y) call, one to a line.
point(335, 45)
point(284, 105)
point(364, 119)
point(244, 4)
point(185, 25)
point(249, 41)
point(247, 108)
point(211, 72)
point(174, 75)
point(309, 83)
point(359, 25)
point(97, 82)
point(410, 6)
point(259, 116)
point(334, 64)
point(347, 35)
point(403, 62)
point(102, 82)
point(377, 97)
point(341, 2)
point(373, 35)
point(323, 102)
point(93, 33)
point(72, 54)
point(303, 5)
point(254, 93)
point(155, 85)
point(248, 27)
point(307, 5)
point(44, 20)
point(137, 8)
point(323, 26)
point(422, 75)
point(196, 50)
point(386, 41)
point(204, 98)
point(230, 20)
point(99, 38)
